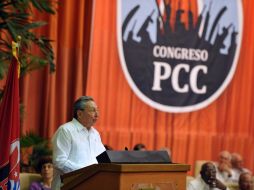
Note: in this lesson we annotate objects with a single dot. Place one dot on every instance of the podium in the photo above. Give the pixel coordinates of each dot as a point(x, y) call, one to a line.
point(127, 177)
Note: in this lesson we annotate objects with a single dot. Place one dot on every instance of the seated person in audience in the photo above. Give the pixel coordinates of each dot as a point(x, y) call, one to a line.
point(140, 147)
point(245, 181)
point(237, 166)
point(224, 169)
point(207, 179)
point(45, 166)
point(107, 147)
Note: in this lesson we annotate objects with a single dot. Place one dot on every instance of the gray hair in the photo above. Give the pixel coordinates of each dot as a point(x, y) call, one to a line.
point(80, 104)
point(226, 154)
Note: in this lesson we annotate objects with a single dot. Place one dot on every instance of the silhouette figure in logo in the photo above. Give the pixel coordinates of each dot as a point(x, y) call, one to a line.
point(143, 33)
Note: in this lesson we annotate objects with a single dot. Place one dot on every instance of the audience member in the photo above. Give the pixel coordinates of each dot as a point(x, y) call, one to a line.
point(207, 179)
point(224, 169)
point(245, 181)
point(140, 147)
point(107, 147)
point(237, 166)
point(45, 167)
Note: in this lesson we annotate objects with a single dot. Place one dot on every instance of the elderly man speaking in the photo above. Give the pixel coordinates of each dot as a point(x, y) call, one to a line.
point(76, 143)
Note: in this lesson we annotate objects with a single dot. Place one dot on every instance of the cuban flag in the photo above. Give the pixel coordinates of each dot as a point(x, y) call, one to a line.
point(10, 130)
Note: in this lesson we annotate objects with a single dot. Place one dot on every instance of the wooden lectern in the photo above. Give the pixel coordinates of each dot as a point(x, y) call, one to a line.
point(127, 177)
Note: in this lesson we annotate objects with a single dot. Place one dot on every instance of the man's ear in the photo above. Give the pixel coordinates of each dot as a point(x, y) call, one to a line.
point(79, 112)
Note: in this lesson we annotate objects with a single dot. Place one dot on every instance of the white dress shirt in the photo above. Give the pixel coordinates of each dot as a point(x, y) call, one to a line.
point(199, 184)
point(74, 147)
point(237, 172)
point(223, 176)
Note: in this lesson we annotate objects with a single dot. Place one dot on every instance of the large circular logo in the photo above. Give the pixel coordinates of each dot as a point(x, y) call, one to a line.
point(179, 57)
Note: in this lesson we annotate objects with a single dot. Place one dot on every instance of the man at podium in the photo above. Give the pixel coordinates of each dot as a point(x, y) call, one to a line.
point(76, 143)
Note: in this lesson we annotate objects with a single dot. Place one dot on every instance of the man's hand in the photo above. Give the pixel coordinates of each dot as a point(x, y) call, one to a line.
point(225, 167)
point(220, 185)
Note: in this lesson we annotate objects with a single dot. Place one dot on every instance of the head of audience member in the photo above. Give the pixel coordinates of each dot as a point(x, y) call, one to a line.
point(140, 147)
point(237, 161)
point(85, 111)
point(45, 167)
point(107, 147)
point(225, 158)
point(208, 174)
point(224, 163)
point(245, 181)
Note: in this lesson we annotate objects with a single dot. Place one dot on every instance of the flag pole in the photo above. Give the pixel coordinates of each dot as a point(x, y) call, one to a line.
point(15, 51)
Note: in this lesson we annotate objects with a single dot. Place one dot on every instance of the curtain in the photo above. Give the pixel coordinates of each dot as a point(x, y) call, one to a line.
point(48, 98)
point(226, 124)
